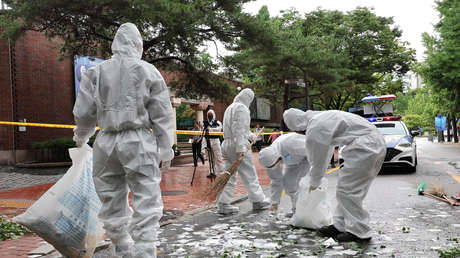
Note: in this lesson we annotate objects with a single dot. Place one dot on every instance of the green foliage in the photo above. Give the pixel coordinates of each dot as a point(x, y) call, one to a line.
point(183, 138)
point(185, 116)
point(63, 143)
point(418, 108)
point(451, 253)
point(10, 230)
point(338, 57)
point(174, 31)
point(441, 68)
point(414, 121)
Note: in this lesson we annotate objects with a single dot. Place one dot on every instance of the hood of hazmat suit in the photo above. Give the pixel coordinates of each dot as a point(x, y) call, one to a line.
point(289, 147)
point(269, 155)
point(246, 96)
point(129, 100)
point(297, 120)
point(364, 153)
point(213, 115)
point(237, 120)
point(212, 124)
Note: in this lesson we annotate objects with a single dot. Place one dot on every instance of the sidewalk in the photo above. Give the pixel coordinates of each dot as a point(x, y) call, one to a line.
point(179, 197)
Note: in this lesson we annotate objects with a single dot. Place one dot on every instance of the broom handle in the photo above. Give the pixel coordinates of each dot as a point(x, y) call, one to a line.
point(436, 197)
point(246, 151)
point(240, 158)
point(447, 199)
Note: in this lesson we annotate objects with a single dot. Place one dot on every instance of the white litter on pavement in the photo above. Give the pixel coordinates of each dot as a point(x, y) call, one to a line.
point(329, 242)
point(292, 237)
point(220, 226)
point(350, 252)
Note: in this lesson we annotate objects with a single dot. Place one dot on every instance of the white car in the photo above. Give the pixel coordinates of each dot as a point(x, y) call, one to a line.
point(401, 145)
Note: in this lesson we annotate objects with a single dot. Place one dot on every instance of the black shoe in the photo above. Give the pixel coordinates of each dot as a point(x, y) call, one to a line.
point(211, 176)
point(349, 237)
point(329, 231)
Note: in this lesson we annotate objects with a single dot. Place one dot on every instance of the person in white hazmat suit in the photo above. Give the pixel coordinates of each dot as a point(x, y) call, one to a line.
point(127, 98)
point(288, 149)
point(363, 157)
point(213, 125)
point(237, 137)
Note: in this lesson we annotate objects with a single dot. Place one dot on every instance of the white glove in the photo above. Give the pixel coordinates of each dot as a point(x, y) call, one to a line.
point(166, 154)
point(252, 137)
point(79, 142)
point(312, 188)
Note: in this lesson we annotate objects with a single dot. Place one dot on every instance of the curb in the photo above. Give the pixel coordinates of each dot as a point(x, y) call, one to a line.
point(43, 165)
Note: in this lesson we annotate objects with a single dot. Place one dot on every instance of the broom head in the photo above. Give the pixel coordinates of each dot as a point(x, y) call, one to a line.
point(437, 189)
point(216, 187)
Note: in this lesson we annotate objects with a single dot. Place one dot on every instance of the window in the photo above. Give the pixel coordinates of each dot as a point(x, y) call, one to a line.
point(391, 128)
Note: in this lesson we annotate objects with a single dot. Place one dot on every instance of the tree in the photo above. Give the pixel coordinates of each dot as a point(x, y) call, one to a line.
point(338, 58)
point(441, 68)
point(260, 62)
point(372, 48)
point(173, 30)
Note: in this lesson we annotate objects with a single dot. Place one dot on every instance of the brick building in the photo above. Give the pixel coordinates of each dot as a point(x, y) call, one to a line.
point(36, 85)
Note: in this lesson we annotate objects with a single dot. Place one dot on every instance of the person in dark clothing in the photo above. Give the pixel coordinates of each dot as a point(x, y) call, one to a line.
point(196, 145)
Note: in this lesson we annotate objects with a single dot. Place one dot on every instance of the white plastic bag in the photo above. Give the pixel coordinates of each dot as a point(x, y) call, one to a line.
point(312, 209)
point(66, 215)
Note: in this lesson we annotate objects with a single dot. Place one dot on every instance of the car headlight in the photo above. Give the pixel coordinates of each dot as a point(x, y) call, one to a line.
point(404, 145)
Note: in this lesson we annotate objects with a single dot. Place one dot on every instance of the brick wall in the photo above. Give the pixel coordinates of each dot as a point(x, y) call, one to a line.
point(43, 91)
point(6, 132)
point(43, 88)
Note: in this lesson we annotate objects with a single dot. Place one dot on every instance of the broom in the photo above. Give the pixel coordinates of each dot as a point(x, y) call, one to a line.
point(212, 191)
point(438, 190)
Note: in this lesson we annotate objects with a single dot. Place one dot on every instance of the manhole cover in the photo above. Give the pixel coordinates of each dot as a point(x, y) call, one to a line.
point(172, 193)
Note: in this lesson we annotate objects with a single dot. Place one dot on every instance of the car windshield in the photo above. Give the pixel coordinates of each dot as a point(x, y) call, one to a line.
point(391, 128)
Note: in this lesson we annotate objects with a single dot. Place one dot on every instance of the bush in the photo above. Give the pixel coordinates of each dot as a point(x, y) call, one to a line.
point(414, 121)
point(59, 143)
point(55, 150)
point(183, 137)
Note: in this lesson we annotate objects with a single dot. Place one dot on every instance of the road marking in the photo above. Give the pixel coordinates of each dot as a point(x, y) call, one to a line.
point(454, 176)
point(283, 193)
point(16, 203)
point(437, 162)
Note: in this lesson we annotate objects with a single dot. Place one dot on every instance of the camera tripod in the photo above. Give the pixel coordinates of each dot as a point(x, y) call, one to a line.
point(212, 173)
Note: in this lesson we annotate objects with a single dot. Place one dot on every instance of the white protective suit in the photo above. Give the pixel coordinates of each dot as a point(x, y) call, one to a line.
point(363, 157)
point(214, 126)
point(237, 137)
point(127, 98)
point(291, 149)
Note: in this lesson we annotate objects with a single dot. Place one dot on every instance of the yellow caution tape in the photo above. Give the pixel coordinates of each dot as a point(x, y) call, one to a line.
point(37, 124)
point(197, 132)
point(98, 128)
point(333, 170)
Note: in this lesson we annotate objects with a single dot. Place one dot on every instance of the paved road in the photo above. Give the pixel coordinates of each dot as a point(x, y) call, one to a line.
point(11, 177)
point(405, 224)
